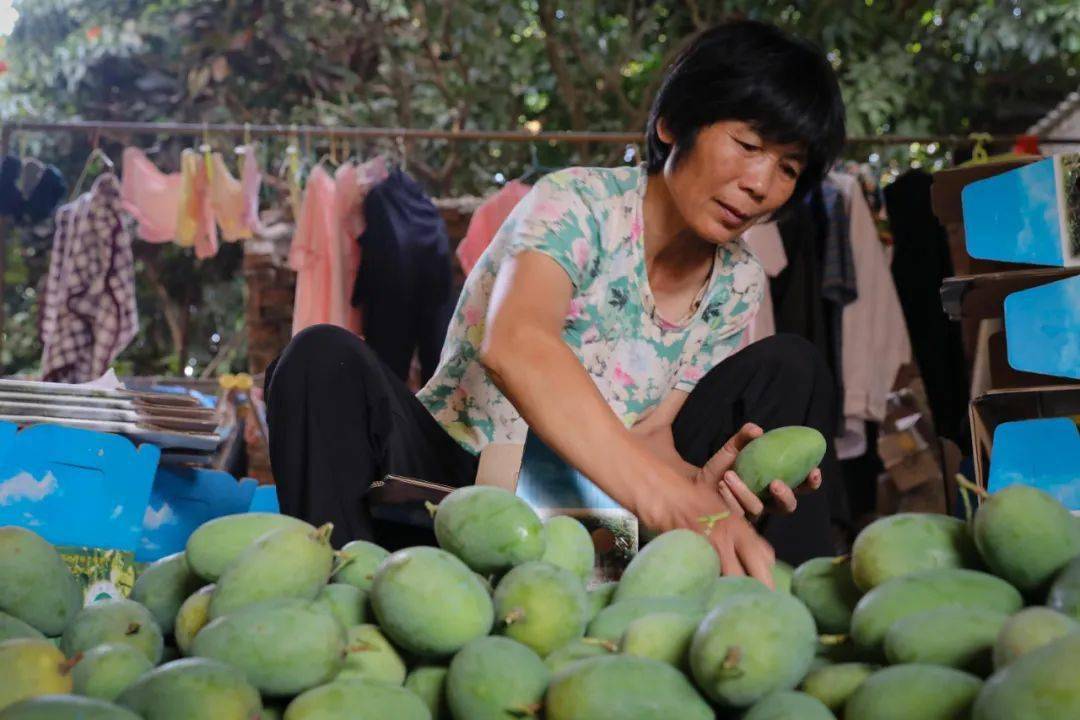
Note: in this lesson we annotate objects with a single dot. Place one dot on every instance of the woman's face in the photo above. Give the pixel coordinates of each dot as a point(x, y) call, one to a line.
point(730, 179)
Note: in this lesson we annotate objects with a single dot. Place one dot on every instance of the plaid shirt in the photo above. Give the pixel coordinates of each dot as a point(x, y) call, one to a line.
point(90, 314)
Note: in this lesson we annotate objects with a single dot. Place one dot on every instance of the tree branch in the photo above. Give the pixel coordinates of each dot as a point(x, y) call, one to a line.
point(563, 78)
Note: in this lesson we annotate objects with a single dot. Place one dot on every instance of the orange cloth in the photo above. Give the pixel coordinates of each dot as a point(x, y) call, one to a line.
point(195, 220)
point(325, 252)
point(151, 196)
point(487, 220)
point(228, 202)
point(317, 257)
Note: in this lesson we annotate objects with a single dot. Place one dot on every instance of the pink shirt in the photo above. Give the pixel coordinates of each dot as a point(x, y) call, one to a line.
point(151, 196)
point(487, 220)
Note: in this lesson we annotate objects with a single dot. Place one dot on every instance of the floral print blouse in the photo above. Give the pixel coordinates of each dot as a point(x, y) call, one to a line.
point(590, 221)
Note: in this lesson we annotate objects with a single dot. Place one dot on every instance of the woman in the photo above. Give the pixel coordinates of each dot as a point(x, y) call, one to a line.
point(605, 317)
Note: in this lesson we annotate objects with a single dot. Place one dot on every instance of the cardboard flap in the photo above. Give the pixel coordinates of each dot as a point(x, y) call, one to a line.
point(184, 498)
point(1041, 453)
point(1042, 328)
point(75, 487)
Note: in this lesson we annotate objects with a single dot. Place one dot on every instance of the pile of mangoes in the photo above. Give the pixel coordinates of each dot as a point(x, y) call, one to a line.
point(931, 618)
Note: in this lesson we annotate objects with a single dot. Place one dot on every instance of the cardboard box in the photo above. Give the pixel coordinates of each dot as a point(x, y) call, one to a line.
point(1042, 326)
point(1042, 453)
point(1029, 214)
point(945, 198)
point(85, 492)
point(995, 407)
point(184, 498)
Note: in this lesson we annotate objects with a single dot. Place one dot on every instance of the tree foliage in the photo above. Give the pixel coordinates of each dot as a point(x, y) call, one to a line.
point(906, 67)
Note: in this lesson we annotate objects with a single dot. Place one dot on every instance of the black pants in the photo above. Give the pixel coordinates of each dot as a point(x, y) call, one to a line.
point(339, 419)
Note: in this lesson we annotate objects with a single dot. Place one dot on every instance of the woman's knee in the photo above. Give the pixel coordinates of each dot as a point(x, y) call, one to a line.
point(319, 352)
point(788, 356)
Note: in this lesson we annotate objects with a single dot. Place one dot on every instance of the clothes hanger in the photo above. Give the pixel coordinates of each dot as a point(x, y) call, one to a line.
point(535, 170)
point(96, 155)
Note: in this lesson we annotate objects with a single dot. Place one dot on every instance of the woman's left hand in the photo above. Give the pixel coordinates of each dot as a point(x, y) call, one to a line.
point(718, 474)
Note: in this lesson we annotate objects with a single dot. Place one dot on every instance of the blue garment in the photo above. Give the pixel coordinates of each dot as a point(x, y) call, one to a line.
point(43, 200)
point(404, 284)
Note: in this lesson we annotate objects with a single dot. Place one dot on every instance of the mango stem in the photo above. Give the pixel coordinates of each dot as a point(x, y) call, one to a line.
point(709, 521)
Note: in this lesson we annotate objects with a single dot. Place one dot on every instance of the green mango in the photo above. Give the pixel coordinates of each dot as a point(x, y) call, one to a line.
point(661, 636)
point(579, 649)
point(214, 545)
point(611, 622)
point(29, 668)
point(752, 645)
point(914, 692)
point(293, 562)
point(599, 598)
point(102, 672)
point(163, 586)
point(1025, 536)
point(1064, 595)
point(834, 684)
point(569, 545)
point(782, 575)
point(369, 655)
point(678, 562)
point(788, 705)
point(430, 603)
point(962, 638)
point(35, 583)
point(119, 621)
point(345, 603)
point(623, 686)
point(1042, 684)
point(357, 700)
point(907, 595)
point(827, 589)
point(357, 562)
point(488, 528)
point(1029, 629)
point(12, 627)
point(192, 616)
point(65, 707)
point(428, 682)
point(541, 605)
point(910, 542)
point(726, 587)
point(284, 646)
point(787, 454)
point(495, 678)
point(192, 688)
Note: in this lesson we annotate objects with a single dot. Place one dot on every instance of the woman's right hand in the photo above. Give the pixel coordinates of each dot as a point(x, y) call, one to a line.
point(670, 501)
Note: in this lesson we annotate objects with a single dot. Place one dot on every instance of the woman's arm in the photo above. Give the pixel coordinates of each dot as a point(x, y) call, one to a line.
point(527, 359)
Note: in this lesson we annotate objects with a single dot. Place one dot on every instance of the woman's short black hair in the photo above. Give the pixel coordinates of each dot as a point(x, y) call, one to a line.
point(754, 72)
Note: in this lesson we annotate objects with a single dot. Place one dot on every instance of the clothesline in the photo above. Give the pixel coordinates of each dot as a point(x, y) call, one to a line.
point(344, 132)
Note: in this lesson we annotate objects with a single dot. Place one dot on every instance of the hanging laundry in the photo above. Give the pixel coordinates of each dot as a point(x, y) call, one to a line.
point(921, 261)
point(30, 191)
point(875, 320)
point(403, 287)
point(838, 287)
point(352, 183)
point(317, 254)
point(228, 202)
point(195, 225)
point(150, 196)
point(11, 198)
point(765, 243)
point(251, 182)
point(89, 314)
point(487, 220)
point(404, 284)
